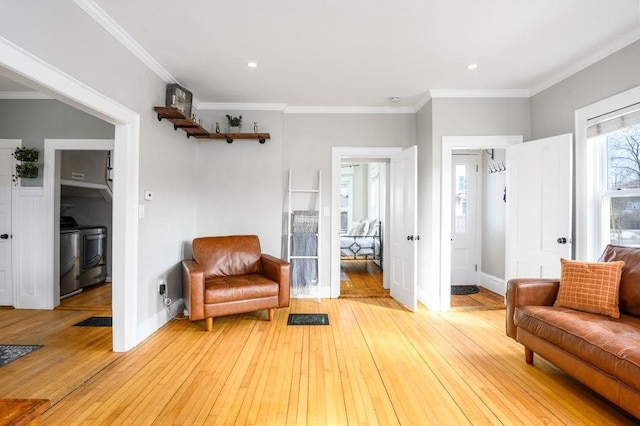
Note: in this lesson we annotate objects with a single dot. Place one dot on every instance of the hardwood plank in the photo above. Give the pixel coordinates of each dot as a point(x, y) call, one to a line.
point(376, 363)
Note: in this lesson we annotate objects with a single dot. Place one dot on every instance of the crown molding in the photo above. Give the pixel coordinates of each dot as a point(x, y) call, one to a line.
point(23, 95)
point(425, 100)
point(594, 57)
point(112, 27)
point(226, 106)
point(349, 110)
point(509, 93)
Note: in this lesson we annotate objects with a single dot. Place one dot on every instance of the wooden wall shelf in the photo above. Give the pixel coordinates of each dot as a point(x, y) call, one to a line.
point(191, 128)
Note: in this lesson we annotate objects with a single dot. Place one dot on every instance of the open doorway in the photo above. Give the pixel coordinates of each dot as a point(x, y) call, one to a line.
point(22, 67)
point(363, 206)
point(478, 214)
point(490, 226)
point(83, 189)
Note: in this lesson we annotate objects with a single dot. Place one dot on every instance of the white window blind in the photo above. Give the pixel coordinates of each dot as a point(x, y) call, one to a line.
point(613, 121)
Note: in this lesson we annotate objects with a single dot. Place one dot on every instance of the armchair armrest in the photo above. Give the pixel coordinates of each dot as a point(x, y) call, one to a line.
point(528, 292)
point(193, 289)
point(277, 270)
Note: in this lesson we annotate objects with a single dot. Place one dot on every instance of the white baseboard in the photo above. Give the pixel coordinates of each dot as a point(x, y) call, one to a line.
point(325, 293)
point(151, 325)
point(495, 284)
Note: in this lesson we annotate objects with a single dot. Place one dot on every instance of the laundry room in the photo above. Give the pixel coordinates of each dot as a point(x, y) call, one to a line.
point(85, 219)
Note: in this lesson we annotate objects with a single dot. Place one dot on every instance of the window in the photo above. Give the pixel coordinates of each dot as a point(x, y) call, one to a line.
point(617, 180)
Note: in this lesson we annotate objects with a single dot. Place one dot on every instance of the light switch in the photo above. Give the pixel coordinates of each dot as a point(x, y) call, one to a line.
point(148, 195)
point(327, 211)
point(140, 211)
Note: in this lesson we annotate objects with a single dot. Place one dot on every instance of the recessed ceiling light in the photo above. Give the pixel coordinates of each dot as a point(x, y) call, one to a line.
point(252, 64)
point(472, 66)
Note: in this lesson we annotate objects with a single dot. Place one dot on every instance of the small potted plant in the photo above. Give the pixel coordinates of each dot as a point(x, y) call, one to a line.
point(235, 123)
point(25, 154)
point(27, 169)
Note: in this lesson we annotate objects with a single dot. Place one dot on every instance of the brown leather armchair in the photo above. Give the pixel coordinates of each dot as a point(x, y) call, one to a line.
point(229, 275)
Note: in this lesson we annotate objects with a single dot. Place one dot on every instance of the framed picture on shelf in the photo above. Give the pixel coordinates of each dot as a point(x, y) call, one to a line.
point(180, 98)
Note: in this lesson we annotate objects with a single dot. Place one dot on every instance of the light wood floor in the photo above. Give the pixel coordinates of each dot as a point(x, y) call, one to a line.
point(375, 363)
point(364, 279)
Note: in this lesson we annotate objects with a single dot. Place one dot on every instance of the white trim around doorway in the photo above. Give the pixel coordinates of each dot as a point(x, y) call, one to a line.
point(337, 155)
point(24, 67)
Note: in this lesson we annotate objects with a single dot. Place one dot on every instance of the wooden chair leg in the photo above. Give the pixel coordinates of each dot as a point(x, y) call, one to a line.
point(209, 323)
point(528, 356)
point(272, 312)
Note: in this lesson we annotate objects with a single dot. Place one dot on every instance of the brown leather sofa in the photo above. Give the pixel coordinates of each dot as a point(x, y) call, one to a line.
point(229, 275)
point(598, 350)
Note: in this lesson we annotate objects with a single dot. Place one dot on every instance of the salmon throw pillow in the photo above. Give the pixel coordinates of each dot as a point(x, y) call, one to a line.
point(590, 286)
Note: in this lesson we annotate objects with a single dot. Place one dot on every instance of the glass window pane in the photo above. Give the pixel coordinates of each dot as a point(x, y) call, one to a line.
point(623, 158)
point(461, 198)
point(624, 221)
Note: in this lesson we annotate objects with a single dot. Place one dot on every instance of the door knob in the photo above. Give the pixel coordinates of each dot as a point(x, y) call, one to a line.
point(562, 240)
point(409, 237)
point(4, 237)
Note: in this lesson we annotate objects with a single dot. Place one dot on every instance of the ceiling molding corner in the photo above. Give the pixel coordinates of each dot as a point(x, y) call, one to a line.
point(594, 57)
point(103, 19)
point(423, 102)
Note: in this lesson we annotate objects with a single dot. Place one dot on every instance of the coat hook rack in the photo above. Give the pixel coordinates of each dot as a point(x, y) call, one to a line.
point(497, 168)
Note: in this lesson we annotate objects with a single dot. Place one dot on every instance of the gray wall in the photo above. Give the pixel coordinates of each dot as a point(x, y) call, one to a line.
point(493, 216)
point(33, 121)
point(453, 117)
point(239, 185)
point(552, 110)
point(307, 149)
point(166, 157)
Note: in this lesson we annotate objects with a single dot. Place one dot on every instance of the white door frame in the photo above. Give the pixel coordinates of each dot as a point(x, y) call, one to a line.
point(28, 69)
point(337, 155)
point(12, 143)
point(449, 143)
point(51, 190)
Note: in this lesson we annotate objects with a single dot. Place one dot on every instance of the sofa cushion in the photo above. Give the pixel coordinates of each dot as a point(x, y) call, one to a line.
point(611, 345)
point(229, 255)
point(630, 281)
point(238, 287)
point(590, 286)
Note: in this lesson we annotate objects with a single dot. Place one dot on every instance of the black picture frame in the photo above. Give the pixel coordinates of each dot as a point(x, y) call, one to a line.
point(180, 98)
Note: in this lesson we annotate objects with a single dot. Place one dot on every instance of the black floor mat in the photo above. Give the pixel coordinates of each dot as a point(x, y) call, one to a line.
point(308, 319)
point(461, 290)
point(95, 322)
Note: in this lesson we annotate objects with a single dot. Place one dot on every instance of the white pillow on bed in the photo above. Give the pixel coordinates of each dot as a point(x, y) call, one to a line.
point(359, 229)
point(373, 228)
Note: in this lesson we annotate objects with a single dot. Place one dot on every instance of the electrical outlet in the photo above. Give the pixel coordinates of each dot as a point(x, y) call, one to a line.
point(162, 287)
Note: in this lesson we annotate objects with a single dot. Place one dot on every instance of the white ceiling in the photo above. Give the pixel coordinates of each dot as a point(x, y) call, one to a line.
point(339, 53)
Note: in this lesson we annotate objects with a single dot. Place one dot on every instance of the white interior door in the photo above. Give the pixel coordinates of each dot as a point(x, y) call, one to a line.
point(404, 238)
point(539, 201)
point(6, 283)
point(464, 211)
